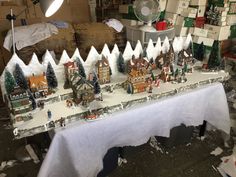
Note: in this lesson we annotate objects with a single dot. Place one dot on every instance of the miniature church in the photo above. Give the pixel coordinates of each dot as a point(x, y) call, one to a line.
point(83, 90)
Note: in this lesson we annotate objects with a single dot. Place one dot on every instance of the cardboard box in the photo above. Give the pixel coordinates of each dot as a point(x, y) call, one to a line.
point(191, 30)
point(201, 11)
point(223, 9)
point(217, 32)
point(189, 12)
point(185, 21)
point(183, 4)
point(5, 10)
point(231, 20)
point(80, 11)
point(177, 6)
point(198, 2)
point(206, 41)
point(188, 22)
point(180, 21)
point(199, 22)
point(169, 15)
point(181, 31)
point(222, 23)
point(200, 32)
point(125, 9)
point(162, 4)
point(11, 3)
point(216, 28)
point(222, 19)
point(224, 14)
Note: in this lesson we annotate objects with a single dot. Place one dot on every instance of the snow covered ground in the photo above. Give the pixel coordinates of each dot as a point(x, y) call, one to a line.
point(118, 97)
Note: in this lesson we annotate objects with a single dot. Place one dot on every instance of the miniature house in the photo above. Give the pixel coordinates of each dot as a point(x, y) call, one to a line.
point(185, 56)
point(38, 85)
point(83, 90)
point(103, 71)
point(165, 73)
point(70, 69)
point(139, 64)
point(160, 60)
point(137, 81)
point(20, 101)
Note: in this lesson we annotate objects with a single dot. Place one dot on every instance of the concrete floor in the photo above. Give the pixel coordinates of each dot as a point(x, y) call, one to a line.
point(192, 159)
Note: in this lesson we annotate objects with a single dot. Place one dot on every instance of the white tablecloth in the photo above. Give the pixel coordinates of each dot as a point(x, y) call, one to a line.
point(79, 151)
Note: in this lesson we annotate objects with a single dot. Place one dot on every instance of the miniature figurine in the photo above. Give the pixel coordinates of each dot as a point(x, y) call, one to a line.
point(183, 78)
point(41, 105)
point(62, 122)
point(69, 103)
point(109, 89)
point(49, 115)
point(51, 124)
point(149, 88)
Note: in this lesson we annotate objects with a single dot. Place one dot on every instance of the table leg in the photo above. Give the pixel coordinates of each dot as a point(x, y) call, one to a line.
point(203, 129)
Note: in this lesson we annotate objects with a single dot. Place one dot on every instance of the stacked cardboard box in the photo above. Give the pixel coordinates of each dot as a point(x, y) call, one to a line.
point(182, 14)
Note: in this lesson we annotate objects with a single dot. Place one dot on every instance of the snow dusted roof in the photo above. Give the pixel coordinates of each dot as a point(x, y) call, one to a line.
point(36, 81)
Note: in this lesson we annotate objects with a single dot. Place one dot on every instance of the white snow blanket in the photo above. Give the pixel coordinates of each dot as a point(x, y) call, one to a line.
point(29, 35)
point(79, 151)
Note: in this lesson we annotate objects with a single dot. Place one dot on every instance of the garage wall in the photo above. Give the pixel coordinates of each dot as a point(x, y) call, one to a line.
point(74, 11)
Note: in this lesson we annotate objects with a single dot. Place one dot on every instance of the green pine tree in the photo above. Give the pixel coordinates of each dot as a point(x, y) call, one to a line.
point(153, 77)
point(151, 61)
point(145, 52)
point(110, 71)
point(185, 69)
point(81, 68)
point(199, 54)
point(51, 77)
point(121, 63)
point(129, 89)
point(97, 88)
point(10, 82)
point(32, 99)
point(176, 72)
point(20, 78)
point(215, 58)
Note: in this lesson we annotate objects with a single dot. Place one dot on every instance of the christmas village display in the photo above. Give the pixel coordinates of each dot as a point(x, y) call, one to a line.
point(50, 94)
